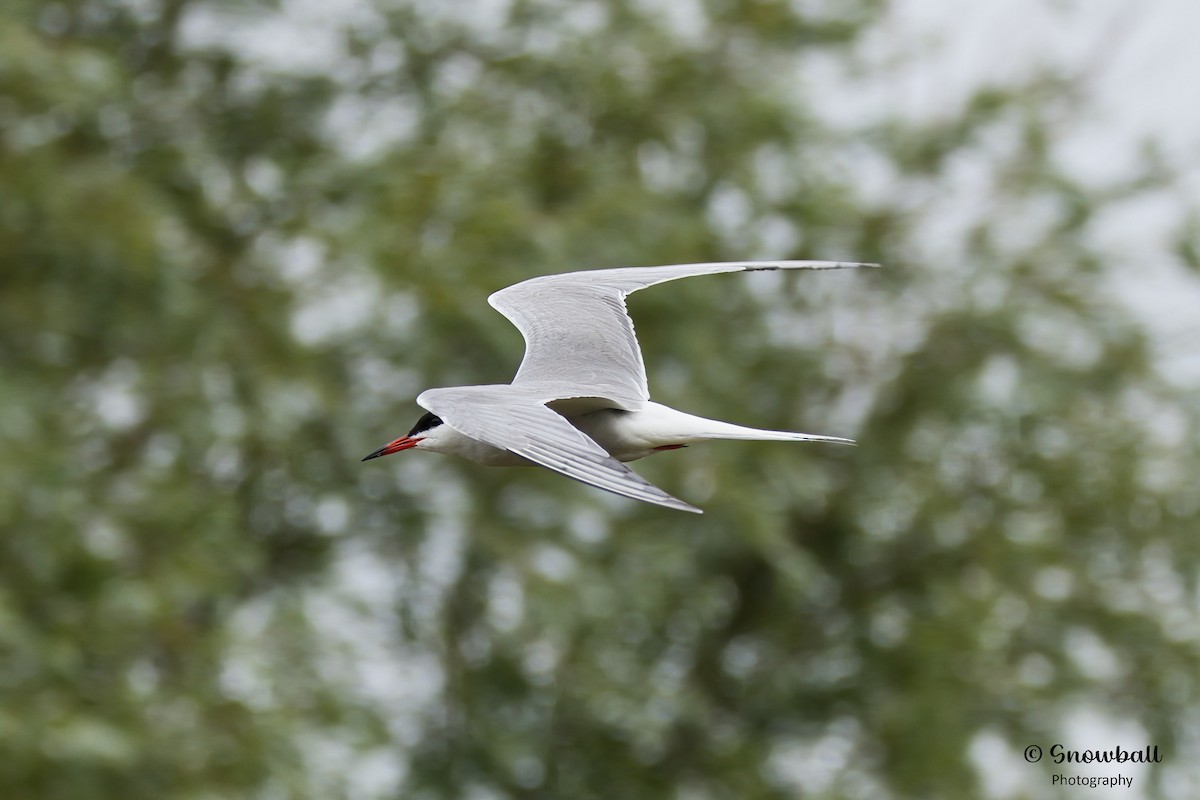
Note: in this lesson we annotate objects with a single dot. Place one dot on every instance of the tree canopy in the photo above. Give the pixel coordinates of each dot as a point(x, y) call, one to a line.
point(236, 240)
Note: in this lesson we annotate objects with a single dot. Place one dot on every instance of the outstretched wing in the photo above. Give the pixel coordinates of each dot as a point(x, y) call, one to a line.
point(578, 333)
point(519, 422)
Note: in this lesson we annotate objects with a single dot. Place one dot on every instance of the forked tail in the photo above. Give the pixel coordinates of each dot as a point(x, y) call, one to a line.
point(712, 429)
point(659, 421)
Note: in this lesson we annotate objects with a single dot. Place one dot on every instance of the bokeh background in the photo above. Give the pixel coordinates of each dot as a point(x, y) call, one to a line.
point(238, 238)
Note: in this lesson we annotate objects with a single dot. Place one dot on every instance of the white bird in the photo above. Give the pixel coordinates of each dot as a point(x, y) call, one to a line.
point(579, 404)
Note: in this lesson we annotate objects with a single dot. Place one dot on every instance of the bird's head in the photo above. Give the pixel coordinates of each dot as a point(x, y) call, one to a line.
point(424, 434)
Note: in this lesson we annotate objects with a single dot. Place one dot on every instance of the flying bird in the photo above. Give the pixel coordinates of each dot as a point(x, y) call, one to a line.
point(579, 404)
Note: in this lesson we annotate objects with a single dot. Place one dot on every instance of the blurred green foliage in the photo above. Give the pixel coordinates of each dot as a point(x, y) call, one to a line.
point(234, 247)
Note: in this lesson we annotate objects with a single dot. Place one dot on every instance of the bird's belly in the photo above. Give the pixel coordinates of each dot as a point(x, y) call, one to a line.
point(618, 432)
point(619, 447)
point(625, 435)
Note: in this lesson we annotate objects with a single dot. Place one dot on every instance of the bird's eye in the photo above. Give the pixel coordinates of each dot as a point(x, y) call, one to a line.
point(427, 421)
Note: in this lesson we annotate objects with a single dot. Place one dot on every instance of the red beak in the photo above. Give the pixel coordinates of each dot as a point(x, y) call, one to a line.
point(403, 443)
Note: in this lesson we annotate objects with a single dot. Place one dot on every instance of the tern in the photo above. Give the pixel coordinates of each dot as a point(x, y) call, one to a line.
point(579, 404)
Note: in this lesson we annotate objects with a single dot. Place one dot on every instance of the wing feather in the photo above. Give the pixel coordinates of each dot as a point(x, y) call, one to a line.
point(578, 333)
point(518, 421)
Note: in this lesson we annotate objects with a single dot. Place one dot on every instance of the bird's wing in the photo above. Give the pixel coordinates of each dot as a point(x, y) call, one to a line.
point(579, 335)
point(521, 424)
